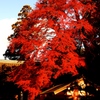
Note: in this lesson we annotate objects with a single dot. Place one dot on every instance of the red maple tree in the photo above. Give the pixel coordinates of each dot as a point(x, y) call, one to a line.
point(50, 39)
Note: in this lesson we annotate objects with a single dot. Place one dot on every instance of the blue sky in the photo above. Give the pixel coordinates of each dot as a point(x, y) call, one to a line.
point(9, 10)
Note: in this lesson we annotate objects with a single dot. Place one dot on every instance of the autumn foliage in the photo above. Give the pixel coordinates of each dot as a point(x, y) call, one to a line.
point(52, 39)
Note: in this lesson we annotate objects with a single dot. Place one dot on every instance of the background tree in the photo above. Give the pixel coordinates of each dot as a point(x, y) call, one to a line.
point(92, 54)
point(53, 39)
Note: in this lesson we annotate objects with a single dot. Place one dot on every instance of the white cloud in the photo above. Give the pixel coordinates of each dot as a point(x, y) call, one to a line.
point(5, 31)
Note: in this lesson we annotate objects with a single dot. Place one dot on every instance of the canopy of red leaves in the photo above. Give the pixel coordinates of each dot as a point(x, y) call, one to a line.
point(47, 38)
